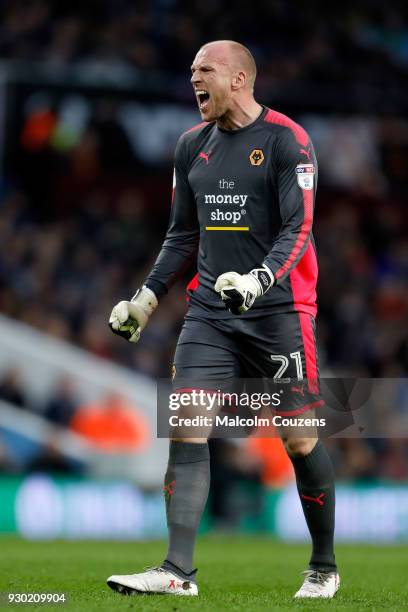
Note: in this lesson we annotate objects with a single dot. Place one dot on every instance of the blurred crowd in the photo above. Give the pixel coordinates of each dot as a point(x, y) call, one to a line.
point(109, 425)
point(336, 42)
point(84, 211)
point(82, 218)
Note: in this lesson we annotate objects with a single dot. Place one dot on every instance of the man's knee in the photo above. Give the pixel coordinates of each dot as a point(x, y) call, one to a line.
point(299, 447)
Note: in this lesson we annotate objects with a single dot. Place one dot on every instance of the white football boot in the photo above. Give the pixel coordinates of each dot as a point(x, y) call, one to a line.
point(319, 584)
point(154, 580)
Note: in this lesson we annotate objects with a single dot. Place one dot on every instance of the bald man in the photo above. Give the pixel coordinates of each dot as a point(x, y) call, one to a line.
point(243, 201)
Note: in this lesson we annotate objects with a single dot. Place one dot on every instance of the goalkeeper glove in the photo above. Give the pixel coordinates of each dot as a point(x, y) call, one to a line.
point(239, 291)
point(128, 319)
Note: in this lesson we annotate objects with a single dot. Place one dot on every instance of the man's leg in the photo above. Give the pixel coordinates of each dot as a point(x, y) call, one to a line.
point(204, 357)
point(283, 347)
point(186, 487)
point(204, 354)
point(315, 484)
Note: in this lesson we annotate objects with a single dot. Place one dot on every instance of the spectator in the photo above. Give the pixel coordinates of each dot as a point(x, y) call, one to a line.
point(61, 406)
point(11, 388)
point(112, 425)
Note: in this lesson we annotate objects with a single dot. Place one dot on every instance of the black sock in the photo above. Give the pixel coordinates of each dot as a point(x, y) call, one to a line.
point(186, 488)
point(315, 483)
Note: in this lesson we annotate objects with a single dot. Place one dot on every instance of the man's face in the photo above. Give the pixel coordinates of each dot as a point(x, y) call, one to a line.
point(212, 80)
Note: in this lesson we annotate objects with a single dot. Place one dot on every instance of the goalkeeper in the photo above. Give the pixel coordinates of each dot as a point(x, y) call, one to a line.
point(243, 202)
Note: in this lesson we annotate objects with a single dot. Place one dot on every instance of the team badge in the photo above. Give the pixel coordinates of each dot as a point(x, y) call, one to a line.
point(305, 176)
point(256, 158)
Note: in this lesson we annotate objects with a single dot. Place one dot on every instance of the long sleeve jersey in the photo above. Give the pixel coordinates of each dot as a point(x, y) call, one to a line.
point(241, 199)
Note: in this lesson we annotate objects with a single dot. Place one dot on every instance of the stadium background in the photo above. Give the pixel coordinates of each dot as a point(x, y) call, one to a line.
point(93, 97)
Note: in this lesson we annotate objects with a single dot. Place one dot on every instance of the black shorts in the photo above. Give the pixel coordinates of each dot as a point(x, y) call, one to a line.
point(279, 348)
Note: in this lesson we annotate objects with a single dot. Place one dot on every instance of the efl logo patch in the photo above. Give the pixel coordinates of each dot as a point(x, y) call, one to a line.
point(305, 175)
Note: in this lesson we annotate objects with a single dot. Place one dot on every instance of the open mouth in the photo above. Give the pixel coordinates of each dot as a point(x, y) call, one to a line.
point(203, 98)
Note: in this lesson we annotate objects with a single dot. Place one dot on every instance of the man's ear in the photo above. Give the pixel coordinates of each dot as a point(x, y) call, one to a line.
point(238, 80)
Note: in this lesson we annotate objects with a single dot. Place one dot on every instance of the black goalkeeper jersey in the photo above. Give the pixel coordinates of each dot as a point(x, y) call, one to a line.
point(243, 198)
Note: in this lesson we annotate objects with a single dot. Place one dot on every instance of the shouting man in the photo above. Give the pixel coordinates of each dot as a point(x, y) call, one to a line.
point(243, 201)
